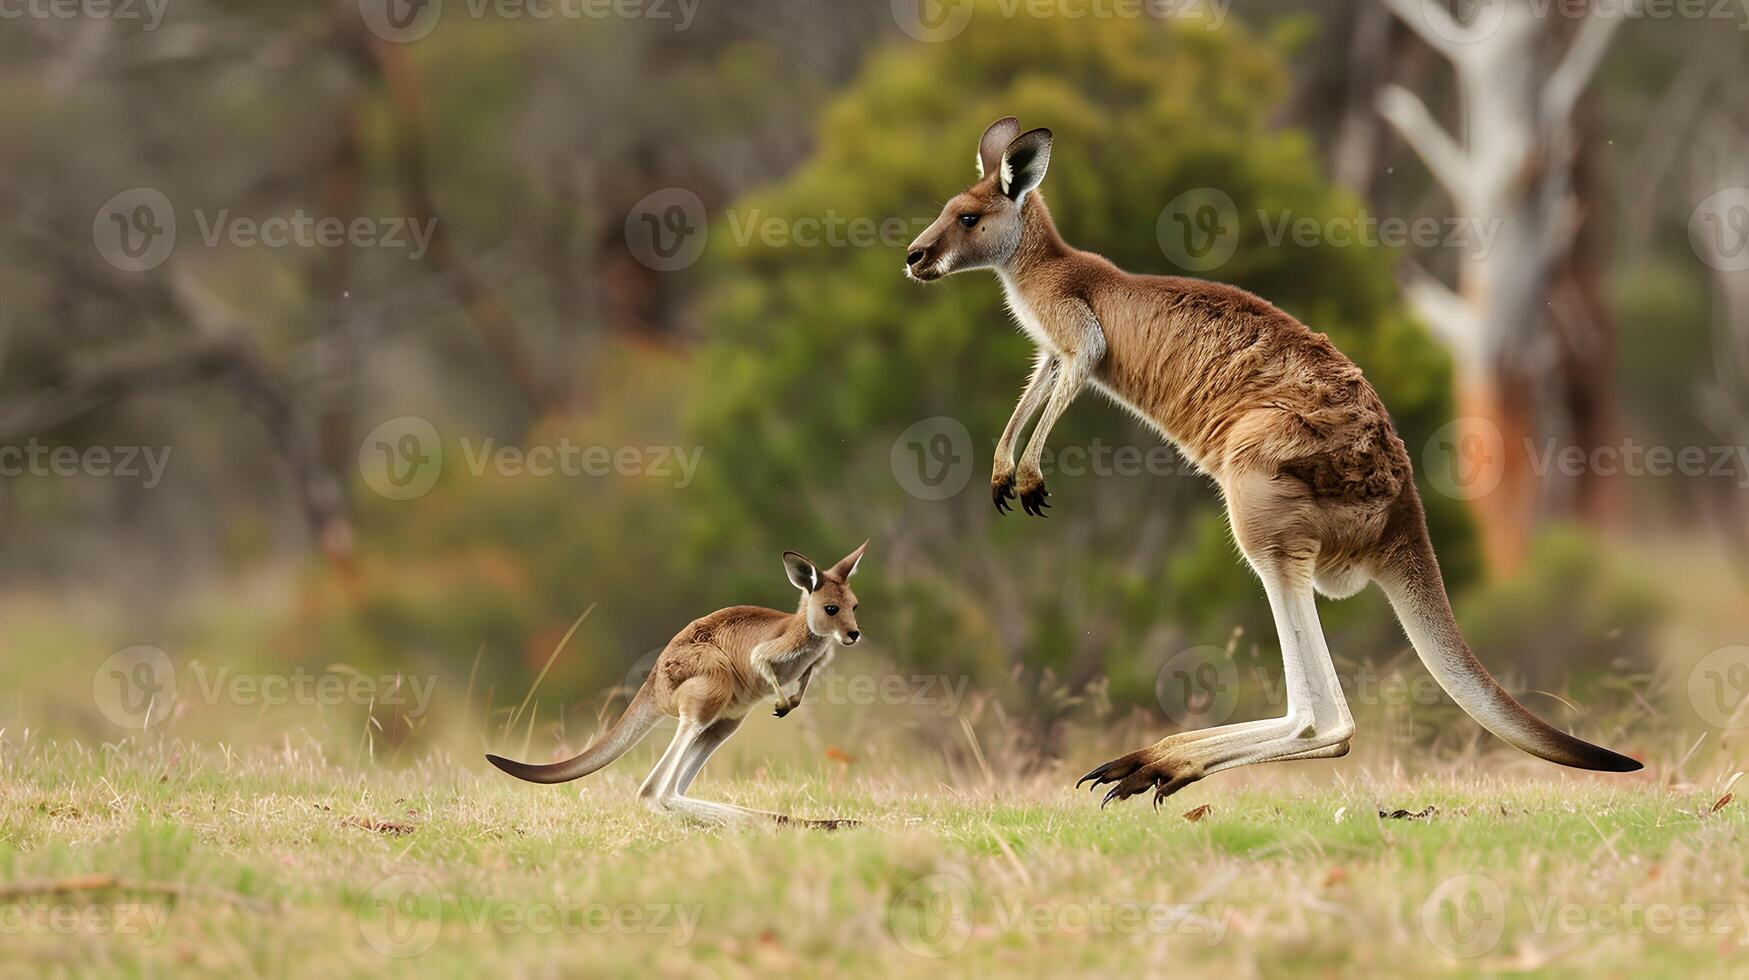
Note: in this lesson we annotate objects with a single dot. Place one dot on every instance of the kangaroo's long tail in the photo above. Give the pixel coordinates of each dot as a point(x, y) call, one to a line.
point(1412, 582)
point(640, 716)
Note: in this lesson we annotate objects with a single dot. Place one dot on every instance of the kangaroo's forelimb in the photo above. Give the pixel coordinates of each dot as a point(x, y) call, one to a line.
point(1074, 365)
point(1038, 386)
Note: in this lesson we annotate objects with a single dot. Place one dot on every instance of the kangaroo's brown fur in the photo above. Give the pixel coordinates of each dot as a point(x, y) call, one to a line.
point(1318, 486)
point(710, 675)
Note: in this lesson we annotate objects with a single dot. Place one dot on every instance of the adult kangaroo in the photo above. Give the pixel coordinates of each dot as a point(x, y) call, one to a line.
point(1317, 484)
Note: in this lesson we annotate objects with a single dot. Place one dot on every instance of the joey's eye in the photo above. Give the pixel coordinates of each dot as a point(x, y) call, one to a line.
point(968, 220)
point(831, 610)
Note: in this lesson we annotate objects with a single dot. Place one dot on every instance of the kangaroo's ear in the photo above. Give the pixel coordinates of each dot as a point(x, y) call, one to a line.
point(846, 566)
point(996, 139)
point(1024, 163)
point(802, 573)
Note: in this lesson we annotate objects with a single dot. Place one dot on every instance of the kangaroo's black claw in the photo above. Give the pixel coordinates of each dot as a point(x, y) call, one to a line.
point(1001, 492)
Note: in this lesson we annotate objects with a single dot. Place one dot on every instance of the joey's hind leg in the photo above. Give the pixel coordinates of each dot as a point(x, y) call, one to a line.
point(701, 743)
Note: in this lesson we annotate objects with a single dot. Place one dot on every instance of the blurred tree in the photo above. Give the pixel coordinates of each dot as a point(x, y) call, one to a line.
point(1513, 170)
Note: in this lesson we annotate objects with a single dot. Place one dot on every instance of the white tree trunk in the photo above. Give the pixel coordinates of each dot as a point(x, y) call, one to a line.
point(1510, 176)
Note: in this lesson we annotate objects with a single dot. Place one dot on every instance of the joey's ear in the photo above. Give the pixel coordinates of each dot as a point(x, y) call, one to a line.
point(846, 566)
point(1024, 163)
point(996, 139)
point(802, 573)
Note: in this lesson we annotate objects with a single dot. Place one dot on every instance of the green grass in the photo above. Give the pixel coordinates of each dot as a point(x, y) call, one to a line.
point(278, 861)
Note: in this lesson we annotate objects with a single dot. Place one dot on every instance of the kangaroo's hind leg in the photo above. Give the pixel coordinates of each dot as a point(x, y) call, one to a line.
point(702, 743)
point(1269, 522)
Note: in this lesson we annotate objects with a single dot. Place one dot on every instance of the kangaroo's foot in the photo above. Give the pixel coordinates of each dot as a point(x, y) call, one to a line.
point(1002, 490)
point(1143, 769)
point(1031, 487)
point(1175, 762)
point(726, 814)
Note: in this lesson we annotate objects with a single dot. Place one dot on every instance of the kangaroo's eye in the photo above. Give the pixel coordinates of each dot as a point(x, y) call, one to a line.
point(968, 220)
point(831, 610)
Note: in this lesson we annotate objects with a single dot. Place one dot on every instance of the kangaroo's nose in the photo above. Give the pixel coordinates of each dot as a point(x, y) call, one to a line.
point(916, 255)
point(854, 635)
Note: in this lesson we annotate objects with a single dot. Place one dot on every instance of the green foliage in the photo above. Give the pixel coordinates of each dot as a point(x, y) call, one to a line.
point(1569, 619)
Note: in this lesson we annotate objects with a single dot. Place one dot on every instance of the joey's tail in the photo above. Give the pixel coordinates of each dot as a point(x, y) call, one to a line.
point(1417, 592)
point(640, 716)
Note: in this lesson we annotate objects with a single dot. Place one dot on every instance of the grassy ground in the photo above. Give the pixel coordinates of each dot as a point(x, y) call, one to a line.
point(239, 837)
point(152, 857)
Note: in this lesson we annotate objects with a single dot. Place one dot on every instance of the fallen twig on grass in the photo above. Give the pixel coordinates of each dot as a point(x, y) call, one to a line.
point(99, 882)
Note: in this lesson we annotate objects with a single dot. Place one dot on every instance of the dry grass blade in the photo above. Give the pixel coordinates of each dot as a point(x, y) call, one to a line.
point(549, 666)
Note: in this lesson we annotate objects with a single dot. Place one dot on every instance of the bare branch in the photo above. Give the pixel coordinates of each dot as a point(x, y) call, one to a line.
point(1447, 161)
point(1431, 23)
point(1561, 92)
point(1450, 318)
point(160, 365)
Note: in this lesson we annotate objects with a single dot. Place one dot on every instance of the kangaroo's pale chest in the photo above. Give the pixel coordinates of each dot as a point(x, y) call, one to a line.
point(1030, 322)
point(788, 664)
